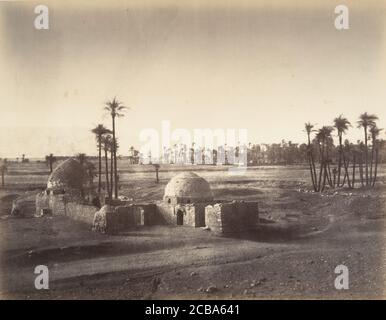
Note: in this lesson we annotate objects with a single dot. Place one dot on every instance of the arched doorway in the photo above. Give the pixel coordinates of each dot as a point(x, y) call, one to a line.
point(180, 217)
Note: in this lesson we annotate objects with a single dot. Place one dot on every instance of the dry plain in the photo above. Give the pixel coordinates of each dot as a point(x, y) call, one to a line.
point(302, 237)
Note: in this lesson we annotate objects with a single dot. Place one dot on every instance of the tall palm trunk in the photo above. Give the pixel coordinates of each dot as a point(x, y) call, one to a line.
point(371, 163)
point(346, 174)
point(376, 167)
point(324, 177)
point(107, 175)
point(111, 172)
point(340, 157)
point(314, 169)
point(312, 173)
point(361, 170)
point(100, 163)
point(115, 162)
point(329, 177)
point(366, 158)
point(321, 168)
point(2, 179)
point(311, 163)
point(353, 171)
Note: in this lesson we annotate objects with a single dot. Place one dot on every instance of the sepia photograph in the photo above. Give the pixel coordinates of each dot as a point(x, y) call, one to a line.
point(193, 150)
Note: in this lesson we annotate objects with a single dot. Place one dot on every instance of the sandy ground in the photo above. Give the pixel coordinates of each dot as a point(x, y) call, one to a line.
point(301, 239)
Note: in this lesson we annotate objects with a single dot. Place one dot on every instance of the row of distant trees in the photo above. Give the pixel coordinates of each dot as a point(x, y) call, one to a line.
point(337, 166)
point(283, 153)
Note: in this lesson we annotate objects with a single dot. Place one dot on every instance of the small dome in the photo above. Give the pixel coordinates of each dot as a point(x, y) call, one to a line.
point(187, 187)
point(67, 175)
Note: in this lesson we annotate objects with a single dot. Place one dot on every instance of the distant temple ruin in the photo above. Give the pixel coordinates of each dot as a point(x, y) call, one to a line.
point(187, 201)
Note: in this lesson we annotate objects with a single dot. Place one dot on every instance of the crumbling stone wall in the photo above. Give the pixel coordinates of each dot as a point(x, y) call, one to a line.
point(232, 217)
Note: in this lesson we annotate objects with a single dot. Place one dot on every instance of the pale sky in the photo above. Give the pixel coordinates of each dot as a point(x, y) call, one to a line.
point(265, 66)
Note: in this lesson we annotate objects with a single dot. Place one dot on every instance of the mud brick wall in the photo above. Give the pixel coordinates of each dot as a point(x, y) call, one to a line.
point(60, 205)
point(57, 203)
point(128, 216)
point(120, 219)
point(139, 216)
point(146, 214)
point(166, 213)
point(213, 218)
point(41, 202)
point(249, 213)
point(81, 212)
point(189, 215)
point(195, 215)
point(232, 217)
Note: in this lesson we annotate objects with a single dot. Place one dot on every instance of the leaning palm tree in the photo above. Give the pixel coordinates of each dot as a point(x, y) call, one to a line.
point(115, 109)
point(365, 121)
point(99, 131)
point(374, 131)
point(341, 124)
point(3, 170)
point(308, 129)
point(106, 143)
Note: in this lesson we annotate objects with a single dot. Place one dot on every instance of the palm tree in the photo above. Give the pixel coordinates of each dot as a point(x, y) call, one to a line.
point(308, 129)
point(354, 152)
point(106, 143)
point(361, 152)
point(341, 124)
point(365, 121)
point(115, 109)
point(374, 131)
point(113, 148)
point(99, 131)
point(323, 136)
point(347, 149)
point(3, 170)
point(50, 160)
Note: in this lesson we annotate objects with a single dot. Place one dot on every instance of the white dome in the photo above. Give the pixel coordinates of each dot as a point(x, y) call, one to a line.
point(188, 187)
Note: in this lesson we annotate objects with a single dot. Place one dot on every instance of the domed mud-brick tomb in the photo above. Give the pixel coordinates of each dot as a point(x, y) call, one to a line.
point(67, 176)
point(186, 188)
